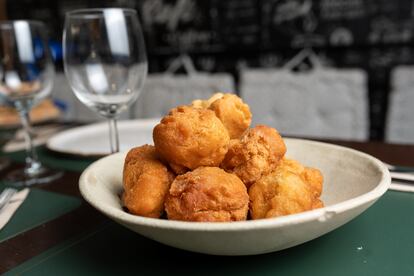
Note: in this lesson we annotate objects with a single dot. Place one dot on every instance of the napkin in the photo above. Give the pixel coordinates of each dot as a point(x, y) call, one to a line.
point(7, 211)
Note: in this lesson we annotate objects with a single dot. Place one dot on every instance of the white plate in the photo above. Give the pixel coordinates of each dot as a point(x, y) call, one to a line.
point(93, 140)
point(353, 182)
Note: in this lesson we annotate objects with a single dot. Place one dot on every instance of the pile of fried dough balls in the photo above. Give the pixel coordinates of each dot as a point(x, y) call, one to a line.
point(208, 165)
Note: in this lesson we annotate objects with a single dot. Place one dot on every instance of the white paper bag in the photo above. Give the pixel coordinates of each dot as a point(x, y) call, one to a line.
point(321, 103)
point(400, 119)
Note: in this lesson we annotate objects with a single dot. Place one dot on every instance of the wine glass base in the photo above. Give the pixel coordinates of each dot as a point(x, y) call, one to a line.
point(20, 178)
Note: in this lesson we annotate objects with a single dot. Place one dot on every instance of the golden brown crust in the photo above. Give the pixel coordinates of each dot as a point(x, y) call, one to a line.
point(291, 188)
point(317, 203)
point(207, 194)
point(279, 193)
point(256, 154)
point(146, 182)
point(313, 177)
point(231, 110)
point(189, 137)
point(233, 113)
point(206, 103)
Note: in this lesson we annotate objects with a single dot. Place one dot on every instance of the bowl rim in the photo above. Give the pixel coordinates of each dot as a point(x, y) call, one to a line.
point(321, 214)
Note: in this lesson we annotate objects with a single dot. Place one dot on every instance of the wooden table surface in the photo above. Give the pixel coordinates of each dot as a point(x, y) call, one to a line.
point(24, 246)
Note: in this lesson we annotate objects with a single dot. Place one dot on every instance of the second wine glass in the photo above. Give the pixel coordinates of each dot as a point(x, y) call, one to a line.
point(105, 61)
point(26, 77)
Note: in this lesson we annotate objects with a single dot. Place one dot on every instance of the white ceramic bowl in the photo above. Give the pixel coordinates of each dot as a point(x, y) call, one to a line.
point(353, 182)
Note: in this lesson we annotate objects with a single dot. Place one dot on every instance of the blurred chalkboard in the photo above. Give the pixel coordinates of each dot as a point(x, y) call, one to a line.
point(331, 23)
point(225, 35)
point(236, 22)
point(178, 26)
point(216, 26)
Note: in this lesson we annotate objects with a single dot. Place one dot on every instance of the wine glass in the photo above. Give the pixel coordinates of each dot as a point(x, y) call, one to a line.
point(26, 77)
point(105, 61)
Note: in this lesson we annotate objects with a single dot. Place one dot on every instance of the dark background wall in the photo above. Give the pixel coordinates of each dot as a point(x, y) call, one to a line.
point(222, 36)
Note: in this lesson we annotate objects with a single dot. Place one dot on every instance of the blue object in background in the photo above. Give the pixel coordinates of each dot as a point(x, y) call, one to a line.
point(54, 46)
point(38, 48)
point(56, 50)
point(61, 104)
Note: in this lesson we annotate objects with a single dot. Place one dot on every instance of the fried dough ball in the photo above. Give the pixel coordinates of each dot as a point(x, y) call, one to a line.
point(208, 102)
point(281, 193)
point(257, 153)
point(231, 110)
point(207, 194)
point(146, 182)
point(317, 203)
point(312, 176)
point(189, 137)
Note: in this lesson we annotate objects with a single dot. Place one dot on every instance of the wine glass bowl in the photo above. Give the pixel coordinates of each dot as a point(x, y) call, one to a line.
point(26, 69)
point(105, 60)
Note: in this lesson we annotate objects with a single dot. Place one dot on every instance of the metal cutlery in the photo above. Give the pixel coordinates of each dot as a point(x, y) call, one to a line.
point(402, 173)
point(402, 178)
point(398, 168)
point(6, 196)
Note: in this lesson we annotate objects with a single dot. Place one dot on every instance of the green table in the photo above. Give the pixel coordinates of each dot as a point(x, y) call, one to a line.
point(378, 242)
point(369, 245)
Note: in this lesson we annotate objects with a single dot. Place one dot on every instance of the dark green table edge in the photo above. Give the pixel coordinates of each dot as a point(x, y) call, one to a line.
point(371, 243)
point(62, 204)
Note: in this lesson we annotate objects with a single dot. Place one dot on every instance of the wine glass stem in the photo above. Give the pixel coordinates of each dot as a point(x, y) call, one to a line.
point(113, 135)
point(32, 163)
